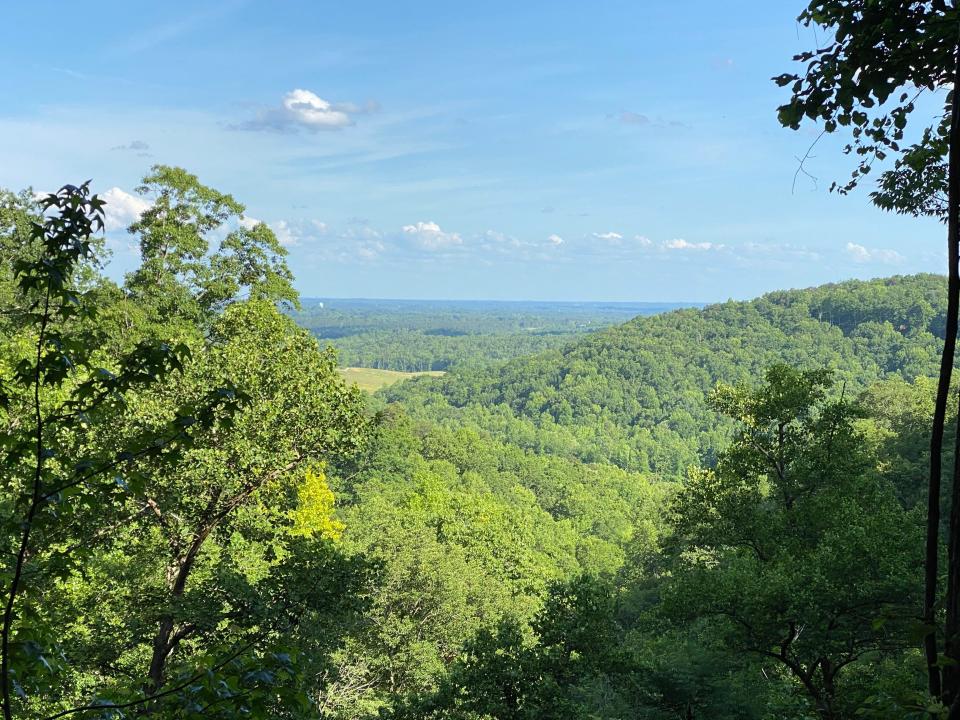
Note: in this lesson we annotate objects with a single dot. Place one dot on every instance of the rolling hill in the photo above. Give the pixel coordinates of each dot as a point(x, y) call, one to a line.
point(635, 395)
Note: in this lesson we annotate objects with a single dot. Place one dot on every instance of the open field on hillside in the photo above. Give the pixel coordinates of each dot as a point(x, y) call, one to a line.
point(371, 379)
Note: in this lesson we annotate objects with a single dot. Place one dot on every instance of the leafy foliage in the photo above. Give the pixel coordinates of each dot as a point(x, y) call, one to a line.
point(635, 395)
point(178, 277)
point(149, 487)
point(417, 336)
point(879, 58)
point(773, 539)
point(224, 528)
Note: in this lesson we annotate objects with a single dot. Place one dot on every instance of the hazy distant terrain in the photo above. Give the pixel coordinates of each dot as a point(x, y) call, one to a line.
point(424, 335)
point(635, 394)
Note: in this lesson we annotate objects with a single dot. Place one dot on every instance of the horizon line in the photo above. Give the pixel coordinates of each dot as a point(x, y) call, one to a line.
point(688, 303)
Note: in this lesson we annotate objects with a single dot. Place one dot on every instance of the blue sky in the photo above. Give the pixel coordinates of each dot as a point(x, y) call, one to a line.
point(502, 150)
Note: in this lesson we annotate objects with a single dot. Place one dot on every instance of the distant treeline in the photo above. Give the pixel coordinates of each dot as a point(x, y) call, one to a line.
point(418, 335)
point(635, 394)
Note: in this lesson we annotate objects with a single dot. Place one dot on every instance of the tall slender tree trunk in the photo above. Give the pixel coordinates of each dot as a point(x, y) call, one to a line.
point(948, 690)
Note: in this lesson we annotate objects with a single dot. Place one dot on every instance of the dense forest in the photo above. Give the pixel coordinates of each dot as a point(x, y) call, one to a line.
point(666, 518)
point(418, 336)
point(729, 512)
point(636, 395)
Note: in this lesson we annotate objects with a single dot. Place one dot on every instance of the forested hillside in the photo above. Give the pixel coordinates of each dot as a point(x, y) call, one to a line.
point(422, 335)
point(635, 395)
point(221, 501)
point(665, 519)
point(641, 396)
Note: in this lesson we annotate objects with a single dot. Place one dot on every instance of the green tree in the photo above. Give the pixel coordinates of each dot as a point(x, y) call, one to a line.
point(878, 50)
point(236, 486)
point(60, 477)
point(563, 668)
point(169, 550)
point(17, 214)
point(179, 276)
point(793, 544)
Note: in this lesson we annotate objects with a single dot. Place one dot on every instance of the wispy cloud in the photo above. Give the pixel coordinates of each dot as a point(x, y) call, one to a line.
point(355, 241)
point(634, 118)
point(637, 119)
point(609, 236)
point(286, 235)
point(134, 146)
point(159, 34)
point(423, 241)
point(862, 254)
point(778, 252)
point(681, 244)
point(495, 242)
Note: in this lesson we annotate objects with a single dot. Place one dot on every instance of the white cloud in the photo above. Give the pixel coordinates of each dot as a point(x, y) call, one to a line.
point(862, 254)
point(248, 222)
point(429, 236)
point(642, 240)
point(370, 249)
point(311, 110)
point(305, 110)
point(611, 236)
point(496, 238)
point(555, 239)
point(681, 244)
point(320, 227)
point(122, 209)
point(285, 234)
point(858, 252)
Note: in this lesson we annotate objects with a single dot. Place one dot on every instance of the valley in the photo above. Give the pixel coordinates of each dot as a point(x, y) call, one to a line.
point(416, 509)
point(490, 361)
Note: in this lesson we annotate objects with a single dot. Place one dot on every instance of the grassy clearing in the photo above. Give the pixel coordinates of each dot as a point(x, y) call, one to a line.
point(371, 379)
